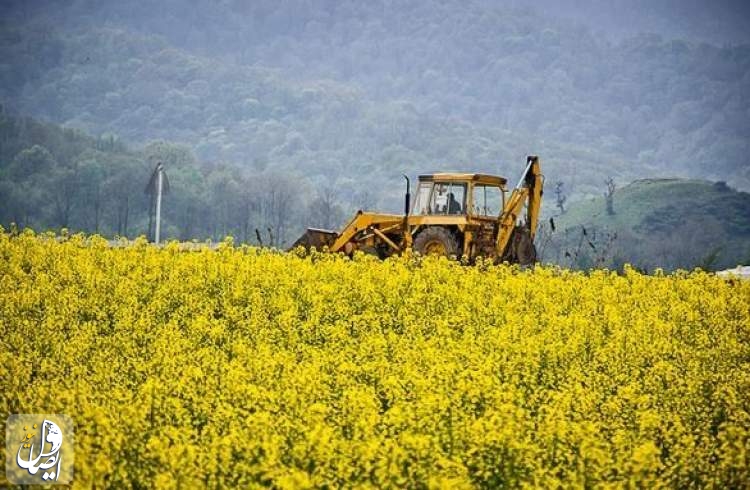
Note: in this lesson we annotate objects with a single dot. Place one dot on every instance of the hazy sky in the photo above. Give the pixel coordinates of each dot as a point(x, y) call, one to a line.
point(715, 21)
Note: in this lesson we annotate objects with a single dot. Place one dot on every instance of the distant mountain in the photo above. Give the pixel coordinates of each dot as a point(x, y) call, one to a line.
point(343, 91)
point(667, 223)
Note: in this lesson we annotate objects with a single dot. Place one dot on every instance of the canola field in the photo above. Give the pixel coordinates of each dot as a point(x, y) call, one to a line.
point(243, 367)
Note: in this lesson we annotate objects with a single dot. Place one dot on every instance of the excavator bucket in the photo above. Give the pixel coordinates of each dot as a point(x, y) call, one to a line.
point(315, 237)
point(521, 249)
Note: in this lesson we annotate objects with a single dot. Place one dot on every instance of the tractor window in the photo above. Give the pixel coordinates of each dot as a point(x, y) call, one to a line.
point(422, 199)
point(448, 198)
point(488, 200)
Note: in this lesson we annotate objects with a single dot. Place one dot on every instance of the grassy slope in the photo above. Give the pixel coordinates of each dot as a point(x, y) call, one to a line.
point(698, 215)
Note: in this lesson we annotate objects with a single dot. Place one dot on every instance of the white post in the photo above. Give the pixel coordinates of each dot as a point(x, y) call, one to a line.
point(158, 201)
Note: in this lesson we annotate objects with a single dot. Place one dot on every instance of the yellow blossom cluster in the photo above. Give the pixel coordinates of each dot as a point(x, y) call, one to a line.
point(190, 367)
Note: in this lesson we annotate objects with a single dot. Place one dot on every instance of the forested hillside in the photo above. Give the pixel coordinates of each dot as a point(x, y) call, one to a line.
point(343, 90)
point(62, 178)
point(333, 101)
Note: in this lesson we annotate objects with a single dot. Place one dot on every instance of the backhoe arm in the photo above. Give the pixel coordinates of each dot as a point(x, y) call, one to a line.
point(534, 182)
point(528, 192)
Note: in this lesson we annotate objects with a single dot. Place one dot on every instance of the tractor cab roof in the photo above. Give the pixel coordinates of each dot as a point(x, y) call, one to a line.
point(459, 177)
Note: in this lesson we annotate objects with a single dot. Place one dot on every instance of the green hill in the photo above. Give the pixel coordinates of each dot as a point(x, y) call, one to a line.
point(366, 91)
point(667, 223)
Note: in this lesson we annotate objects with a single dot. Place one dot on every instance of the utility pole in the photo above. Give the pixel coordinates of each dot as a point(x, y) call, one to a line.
point(157, 186)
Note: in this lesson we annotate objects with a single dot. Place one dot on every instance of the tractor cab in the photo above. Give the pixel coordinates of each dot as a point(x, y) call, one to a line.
point(459, 195)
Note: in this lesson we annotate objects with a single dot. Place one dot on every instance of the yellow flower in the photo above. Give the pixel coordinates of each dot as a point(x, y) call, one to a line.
point(185, 366)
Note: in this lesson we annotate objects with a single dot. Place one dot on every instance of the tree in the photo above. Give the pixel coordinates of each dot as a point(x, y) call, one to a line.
point(280, 205)
point(30, 177)
point(325, 211)
point(172, 155)
point(124, 191)
point(31, 161)
point(93, 174)
point(609, 196)
point(560, 196)
point(364, 200)
point(223, 186)
point(186, 211)
point(62, 185)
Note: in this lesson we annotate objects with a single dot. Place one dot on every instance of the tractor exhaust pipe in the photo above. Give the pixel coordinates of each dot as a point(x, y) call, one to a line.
point(407, 198)
point(406, 242)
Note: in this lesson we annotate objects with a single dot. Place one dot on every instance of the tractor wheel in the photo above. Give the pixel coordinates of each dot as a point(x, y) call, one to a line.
point(436, 240)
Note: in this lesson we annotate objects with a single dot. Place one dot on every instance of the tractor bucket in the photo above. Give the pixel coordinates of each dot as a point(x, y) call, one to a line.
point(315, 237)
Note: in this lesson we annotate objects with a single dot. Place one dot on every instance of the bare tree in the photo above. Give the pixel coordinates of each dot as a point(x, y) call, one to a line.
point(364, 200)
point(604, 248)
point(248, 206)
point(64, 185)
point(609, 195)
point(560, 196)
point(592, 248)
point(280, 205)
point(325, 211)
point(544, 237)
point(123, 214)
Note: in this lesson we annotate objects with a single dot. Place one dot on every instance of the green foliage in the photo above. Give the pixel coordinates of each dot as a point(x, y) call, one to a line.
point(58, 178)
point(346, 91)
point(667, 223)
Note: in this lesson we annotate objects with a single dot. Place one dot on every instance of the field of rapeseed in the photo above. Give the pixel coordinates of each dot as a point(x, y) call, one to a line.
point(241, 367)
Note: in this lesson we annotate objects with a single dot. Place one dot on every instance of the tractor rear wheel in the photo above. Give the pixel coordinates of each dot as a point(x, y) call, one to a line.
point(436, 240)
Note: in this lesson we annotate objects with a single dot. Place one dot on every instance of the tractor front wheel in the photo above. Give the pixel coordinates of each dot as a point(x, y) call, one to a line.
point(436, 240)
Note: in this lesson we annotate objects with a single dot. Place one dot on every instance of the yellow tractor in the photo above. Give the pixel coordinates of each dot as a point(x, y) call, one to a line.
point(452, 214)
